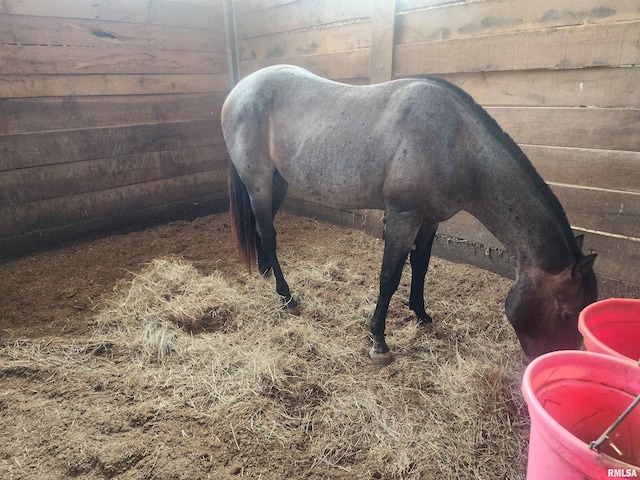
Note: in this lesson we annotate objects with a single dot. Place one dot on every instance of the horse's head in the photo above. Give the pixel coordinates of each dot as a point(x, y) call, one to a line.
point(543, 308)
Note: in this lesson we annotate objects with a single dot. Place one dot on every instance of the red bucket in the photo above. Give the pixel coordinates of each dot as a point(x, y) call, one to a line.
point(573, 397)
point(612, 327)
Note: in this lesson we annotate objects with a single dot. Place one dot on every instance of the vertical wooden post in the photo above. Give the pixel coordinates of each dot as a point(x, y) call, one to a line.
point(383, 20)
point(231, 37)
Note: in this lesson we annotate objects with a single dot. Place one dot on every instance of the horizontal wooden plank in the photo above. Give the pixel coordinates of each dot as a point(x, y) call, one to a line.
point(617, 258)
point(254, 5)
point(405, 6)
point(463, 251)
point(25, 86)
point(607, 211)
point(70, 32)
point(205, 3)
point(343, 218)
point(32, 60)
point(158, 12)
point(471, 19)
point(345, 65)
point(465, 226)
point(191, 207)
point(306, 42)
point(568, 47)
point(27, 185)
point(606, 169)
point(605, 128)
point(47, 148)
point(592, 87)
point(66, 113)
point(60, 211)
point(609, 287)
point(303, 14)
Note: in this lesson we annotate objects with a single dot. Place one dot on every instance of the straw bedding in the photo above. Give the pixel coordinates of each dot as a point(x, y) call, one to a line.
point(191, 370)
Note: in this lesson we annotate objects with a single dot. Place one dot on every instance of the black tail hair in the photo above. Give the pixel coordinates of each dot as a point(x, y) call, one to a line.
point(242, 219)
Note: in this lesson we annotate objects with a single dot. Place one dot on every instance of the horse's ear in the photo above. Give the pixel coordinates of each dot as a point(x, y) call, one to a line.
point(580, 241)
point(582, 266)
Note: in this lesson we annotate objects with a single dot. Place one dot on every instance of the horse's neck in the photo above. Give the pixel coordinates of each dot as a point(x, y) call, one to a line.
point(521, 211)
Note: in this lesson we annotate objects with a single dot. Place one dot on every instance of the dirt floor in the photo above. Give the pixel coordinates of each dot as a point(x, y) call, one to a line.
point(61, 418)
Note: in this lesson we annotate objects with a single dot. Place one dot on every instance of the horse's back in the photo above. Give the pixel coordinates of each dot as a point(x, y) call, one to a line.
point(349, 146)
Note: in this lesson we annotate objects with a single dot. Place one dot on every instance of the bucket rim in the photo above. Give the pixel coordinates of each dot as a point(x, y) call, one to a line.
point(586, 330)
point(546, 420)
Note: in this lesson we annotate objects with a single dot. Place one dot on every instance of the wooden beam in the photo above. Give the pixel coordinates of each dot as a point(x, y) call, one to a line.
point(596, 168)
point(66, 210)
point(27, 86)
point(481, 18)
point(299, 15)
point(25, 185)
point(30, 115)
point(231, 41)
point(383, 16)
point(34, 59)
point(138, 218)
point(337, 38)
point(589, 87)
point(555, 48)
point(156, 12)
point(600, 128)
point(76, 32)
point(65, 146)
point(349, 64)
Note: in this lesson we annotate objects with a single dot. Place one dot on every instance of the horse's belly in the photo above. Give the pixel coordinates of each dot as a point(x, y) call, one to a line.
point(339, 193)
point(331, 173)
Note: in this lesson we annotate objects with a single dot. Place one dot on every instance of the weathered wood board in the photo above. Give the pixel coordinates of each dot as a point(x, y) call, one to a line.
point(110, 115)
point(116, 101)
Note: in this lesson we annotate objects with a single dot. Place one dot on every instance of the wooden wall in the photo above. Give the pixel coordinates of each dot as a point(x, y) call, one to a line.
point(109, 109)
point(109, 115)
point(561, 77)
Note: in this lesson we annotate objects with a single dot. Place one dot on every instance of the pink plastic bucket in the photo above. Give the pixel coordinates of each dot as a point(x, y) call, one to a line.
point(573, 397)
point(612, 327)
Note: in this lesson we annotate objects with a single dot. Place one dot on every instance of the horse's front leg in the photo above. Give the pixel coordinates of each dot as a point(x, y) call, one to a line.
point(420, 256)
point(400, 231)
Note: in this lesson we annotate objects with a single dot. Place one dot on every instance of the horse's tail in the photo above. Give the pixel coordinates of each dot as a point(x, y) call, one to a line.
point(242, 219)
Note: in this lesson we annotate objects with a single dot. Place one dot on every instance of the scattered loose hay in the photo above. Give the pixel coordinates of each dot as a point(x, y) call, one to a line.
point(448, 407)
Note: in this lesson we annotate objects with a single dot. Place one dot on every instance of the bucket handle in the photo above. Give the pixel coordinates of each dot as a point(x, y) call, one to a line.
point(597, 444)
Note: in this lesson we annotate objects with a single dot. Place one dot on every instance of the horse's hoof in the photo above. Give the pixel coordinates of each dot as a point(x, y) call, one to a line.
point(294, 310)
point(426, 320)
point(381, 359)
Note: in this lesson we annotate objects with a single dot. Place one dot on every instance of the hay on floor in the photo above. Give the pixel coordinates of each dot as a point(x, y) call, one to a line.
point(448, 407)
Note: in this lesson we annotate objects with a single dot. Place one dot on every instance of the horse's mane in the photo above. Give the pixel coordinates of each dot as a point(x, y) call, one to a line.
point(517, 154)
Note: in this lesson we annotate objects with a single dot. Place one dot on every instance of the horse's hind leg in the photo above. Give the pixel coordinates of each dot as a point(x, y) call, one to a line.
point(279, 191)
point(419, 264)
point(262, 205)
point(400, 231)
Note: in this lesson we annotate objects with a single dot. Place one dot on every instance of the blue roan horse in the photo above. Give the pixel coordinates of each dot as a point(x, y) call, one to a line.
point(422, 150)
